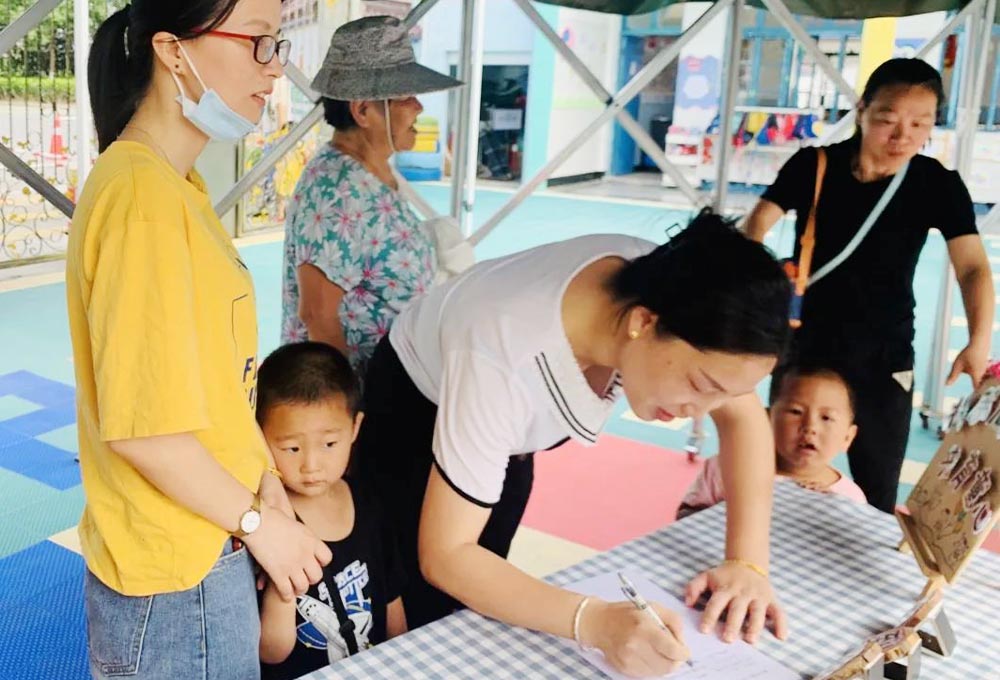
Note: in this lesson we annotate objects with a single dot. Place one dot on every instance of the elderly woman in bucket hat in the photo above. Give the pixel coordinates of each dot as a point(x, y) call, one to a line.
point(355, 251)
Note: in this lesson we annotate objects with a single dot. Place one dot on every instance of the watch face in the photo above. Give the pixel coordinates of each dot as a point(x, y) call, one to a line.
point(250, 522)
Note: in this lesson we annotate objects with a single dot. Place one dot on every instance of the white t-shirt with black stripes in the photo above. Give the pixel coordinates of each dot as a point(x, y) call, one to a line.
point(490, 350)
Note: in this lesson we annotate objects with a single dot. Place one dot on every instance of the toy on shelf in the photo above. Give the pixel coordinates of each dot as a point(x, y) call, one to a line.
point(763, 139)
point(425, 160)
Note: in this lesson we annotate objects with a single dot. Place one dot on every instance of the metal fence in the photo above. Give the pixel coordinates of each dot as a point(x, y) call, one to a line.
point(38, 123)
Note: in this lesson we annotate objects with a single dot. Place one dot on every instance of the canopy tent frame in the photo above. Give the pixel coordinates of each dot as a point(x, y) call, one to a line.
point(11, 34)
point(972, 82)
point(614, 104)
point(839, 129)
point(730, 93)
point(466, 161)
point(632, 127)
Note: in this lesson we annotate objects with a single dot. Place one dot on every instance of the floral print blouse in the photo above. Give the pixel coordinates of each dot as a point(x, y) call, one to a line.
point(365, 239)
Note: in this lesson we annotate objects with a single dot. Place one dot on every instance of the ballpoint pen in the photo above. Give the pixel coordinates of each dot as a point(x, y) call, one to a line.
point(640, 603)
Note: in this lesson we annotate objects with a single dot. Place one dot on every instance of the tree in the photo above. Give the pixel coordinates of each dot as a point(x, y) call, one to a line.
point(47, 51)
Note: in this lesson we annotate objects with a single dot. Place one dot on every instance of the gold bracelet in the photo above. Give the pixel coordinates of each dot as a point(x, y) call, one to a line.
point(749, 565)
point(276, 472)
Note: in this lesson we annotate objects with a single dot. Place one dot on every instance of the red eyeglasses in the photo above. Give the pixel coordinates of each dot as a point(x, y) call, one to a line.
point(265, 47)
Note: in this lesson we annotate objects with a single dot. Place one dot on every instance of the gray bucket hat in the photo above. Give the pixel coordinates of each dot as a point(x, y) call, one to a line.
point(372, 58)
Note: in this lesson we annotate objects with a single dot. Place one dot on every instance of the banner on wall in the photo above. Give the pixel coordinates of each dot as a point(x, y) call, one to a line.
point(586, 33)
point(698, 83)
point(699, 71)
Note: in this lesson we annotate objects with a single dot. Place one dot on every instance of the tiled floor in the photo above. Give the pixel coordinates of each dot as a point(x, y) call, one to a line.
point(585, 500)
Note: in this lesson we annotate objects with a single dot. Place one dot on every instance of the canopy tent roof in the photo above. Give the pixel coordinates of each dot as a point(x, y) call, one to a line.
point(827, 9)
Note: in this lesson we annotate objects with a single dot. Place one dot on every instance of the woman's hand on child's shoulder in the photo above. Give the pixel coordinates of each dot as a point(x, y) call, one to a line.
point(272, 492)
point(289, 552)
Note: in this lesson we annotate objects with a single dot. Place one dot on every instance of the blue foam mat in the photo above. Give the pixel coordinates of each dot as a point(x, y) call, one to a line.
point(42, 625)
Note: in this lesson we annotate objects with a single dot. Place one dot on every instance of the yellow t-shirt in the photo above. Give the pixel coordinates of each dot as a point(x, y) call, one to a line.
point(164, 327)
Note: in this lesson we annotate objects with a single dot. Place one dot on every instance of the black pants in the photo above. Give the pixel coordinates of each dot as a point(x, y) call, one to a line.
point(393, 456)
point(884, 408)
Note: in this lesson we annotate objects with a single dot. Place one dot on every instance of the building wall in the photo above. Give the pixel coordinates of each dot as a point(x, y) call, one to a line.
point(596, 39)
point(508, 39)
point(559, 103)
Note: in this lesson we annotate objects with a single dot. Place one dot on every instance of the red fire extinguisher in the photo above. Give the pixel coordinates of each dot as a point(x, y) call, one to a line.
point(950, 50)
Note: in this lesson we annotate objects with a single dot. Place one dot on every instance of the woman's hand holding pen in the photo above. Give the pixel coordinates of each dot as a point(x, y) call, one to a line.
point(632, 641)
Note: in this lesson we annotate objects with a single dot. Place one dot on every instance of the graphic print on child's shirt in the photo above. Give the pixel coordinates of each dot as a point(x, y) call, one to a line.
point(321, 626)
point(365, 576)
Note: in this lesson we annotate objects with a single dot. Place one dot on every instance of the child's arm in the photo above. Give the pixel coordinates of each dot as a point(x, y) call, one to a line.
point(740, 586)
point(705, 491)
point(395, 619)
point(277, 627)
point(686, 510)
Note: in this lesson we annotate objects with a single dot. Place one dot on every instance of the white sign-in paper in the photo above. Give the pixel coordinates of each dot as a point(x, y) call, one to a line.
point(711, 658)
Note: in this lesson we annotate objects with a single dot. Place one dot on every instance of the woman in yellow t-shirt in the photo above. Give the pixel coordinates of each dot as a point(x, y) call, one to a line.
point(164, 329)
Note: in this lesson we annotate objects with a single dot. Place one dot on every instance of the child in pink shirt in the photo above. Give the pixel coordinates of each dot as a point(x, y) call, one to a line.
point(813, 420)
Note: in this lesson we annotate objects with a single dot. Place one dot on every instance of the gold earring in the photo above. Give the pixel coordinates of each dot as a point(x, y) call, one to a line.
point(633, 334)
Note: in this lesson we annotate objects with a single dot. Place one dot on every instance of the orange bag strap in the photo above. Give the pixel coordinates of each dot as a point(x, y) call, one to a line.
point(808, 241)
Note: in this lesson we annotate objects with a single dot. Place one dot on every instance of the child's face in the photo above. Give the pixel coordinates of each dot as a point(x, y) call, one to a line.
point(812, 423)
point(311, 443)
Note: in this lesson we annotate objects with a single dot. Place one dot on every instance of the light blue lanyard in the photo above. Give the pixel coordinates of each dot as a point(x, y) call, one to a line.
point(873, 216)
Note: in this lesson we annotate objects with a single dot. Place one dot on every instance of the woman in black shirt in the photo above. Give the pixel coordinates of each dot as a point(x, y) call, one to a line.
point(859, 318)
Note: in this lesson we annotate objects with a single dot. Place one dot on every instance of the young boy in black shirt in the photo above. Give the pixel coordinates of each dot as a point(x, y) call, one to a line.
point(308, 408)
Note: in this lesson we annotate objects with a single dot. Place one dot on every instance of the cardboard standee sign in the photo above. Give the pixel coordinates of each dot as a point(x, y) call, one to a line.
point(866, 663)
point(954, 506)
point(948, 516)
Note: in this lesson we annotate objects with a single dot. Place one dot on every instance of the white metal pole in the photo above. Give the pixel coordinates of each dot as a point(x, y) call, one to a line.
point(631, 126)
point(787, 19)
point(25, 22)
point(992, 220)
point(418, 12)
point(473, 92)
point(462, 123)
point(301, 81)
point(413, 196)
point(629, 91)
point(968, 116)
point(933, 406)
point(982, 48)
point(734, 54)
point(267, 162)
point(81, 46)
point(836, 132)
point(948, 28)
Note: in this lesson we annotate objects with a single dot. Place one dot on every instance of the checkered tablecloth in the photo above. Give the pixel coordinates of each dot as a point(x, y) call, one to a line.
point(834, 565)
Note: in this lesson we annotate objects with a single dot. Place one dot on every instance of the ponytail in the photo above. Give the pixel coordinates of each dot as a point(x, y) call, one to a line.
point(115, 78)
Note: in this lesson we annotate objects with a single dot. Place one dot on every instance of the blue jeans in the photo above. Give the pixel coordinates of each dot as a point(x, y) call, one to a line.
point(209, 632)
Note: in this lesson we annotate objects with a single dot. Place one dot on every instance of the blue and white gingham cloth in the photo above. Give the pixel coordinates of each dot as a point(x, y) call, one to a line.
point(834, 565)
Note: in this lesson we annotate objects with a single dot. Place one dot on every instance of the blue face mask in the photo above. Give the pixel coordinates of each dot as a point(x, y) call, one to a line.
point(211, 114)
